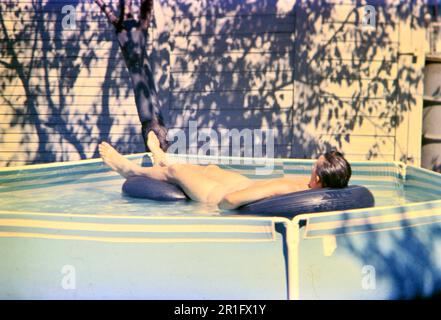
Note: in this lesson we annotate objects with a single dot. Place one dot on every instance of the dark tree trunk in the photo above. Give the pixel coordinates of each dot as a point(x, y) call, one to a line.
point(132, 38)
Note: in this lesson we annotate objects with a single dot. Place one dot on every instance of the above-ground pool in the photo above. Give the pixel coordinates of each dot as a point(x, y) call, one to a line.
point(67, 231)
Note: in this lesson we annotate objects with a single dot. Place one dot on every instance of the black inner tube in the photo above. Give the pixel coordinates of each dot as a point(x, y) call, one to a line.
point(287, 205)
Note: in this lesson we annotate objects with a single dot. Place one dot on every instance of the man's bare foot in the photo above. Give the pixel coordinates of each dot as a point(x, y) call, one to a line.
point(159, 156)
point(116, 161)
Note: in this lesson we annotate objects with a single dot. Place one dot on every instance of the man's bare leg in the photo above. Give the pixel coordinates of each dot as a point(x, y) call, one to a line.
point(211, 171)
point(127, 168)
point(189, 177)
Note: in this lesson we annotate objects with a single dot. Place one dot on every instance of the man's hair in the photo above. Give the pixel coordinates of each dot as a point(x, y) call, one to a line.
point(334, 171)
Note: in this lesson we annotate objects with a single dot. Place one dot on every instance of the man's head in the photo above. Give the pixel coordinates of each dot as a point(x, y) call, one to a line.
point(331, 170)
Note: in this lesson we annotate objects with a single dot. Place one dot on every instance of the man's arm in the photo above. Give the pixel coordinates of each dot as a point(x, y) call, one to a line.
point(258, 192)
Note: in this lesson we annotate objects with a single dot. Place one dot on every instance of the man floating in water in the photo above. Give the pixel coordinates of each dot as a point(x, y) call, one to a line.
point(132, 38)
point(226, 189)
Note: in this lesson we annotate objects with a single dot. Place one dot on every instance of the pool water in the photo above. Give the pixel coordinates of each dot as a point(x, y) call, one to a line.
point(398, 197)
point(98, 191)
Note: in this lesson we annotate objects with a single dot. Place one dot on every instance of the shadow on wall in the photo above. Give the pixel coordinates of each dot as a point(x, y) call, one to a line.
point(223, 63)
point(406, 259)
point(42, 70)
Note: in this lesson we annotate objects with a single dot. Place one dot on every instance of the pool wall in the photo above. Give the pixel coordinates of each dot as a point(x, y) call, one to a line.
point(384, 253)
point(378, 253)
point(140, 258)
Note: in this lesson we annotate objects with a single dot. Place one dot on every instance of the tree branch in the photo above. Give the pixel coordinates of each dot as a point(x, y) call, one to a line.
point(7, 65)
point(146, 13)
point(126, 6)
point(108, 11)
point(122, 9)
